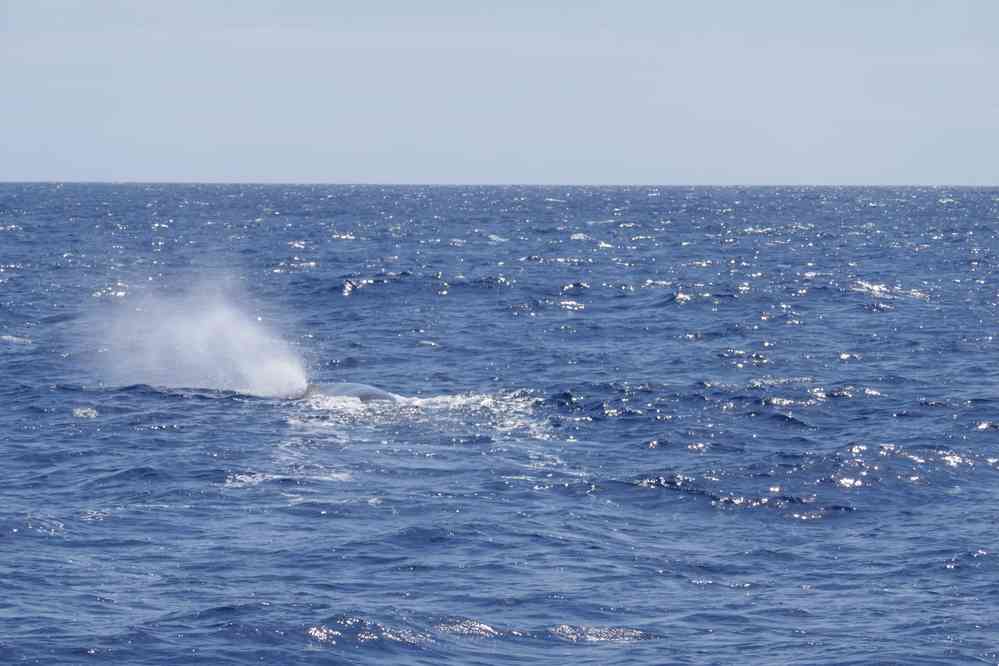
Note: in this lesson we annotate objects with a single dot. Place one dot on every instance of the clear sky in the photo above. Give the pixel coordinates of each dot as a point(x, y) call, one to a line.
point(436, 91)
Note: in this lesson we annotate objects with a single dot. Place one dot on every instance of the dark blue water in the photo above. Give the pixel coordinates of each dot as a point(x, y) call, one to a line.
point(638, 425)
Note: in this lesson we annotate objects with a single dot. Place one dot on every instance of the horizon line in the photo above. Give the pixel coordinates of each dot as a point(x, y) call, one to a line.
point(278, 183)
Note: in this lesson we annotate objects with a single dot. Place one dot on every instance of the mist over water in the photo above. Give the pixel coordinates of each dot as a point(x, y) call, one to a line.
point(200, 339)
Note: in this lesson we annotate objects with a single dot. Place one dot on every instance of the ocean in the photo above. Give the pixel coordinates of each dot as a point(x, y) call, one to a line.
point(610, 425)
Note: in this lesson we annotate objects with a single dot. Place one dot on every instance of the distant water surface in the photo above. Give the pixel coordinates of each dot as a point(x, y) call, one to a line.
point(636, 425)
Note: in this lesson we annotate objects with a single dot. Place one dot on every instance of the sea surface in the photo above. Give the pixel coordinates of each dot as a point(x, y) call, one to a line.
point(628, 425)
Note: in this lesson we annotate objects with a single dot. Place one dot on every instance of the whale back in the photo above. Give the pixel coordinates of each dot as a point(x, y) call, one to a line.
point(362, 392)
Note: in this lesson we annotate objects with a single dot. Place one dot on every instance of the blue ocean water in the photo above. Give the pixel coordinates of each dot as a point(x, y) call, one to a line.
point(635, 425)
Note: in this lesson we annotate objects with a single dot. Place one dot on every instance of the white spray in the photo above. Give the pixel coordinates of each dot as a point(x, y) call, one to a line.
point(197, 340)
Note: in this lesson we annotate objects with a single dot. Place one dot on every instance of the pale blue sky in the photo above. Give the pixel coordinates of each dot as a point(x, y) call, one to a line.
point(717, 92)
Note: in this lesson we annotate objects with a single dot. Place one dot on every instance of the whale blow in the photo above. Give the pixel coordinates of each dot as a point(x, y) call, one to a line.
point(196, 339)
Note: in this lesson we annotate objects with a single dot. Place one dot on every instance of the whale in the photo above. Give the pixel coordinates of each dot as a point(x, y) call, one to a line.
point(362, 392)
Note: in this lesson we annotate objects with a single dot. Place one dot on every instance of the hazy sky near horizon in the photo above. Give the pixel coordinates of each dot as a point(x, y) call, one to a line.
point(387, 91)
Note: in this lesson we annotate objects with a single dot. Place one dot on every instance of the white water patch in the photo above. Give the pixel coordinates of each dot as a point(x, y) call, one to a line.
point(297, 472)
point(15, 340)
point(468, 627)
point(887, 292)
point(502, 412)
point(200, 339)
point(250, 479)
point(509, 413)
point(588, 634)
